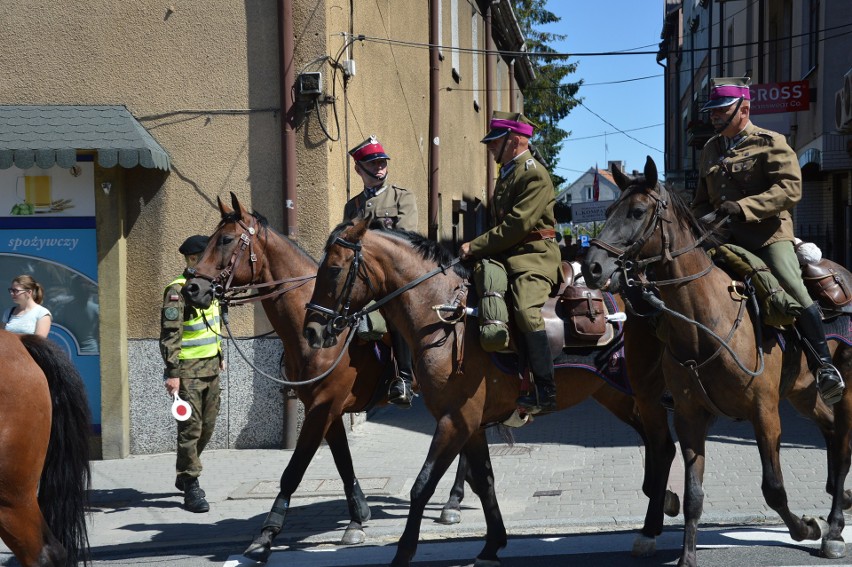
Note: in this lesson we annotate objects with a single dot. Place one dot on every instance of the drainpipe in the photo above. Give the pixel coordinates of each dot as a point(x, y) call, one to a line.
point(287, 50)
point(512, 104)
point(489, 96)
point(434, 120)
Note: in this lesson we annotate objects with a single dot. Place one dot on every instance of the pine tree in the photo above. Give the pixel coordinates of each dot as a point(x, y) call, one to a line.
point(546, 99)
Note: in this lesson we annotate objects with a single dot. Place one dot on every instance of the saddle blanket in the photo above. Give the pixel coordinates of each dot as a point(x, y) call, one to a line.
point(607, 362)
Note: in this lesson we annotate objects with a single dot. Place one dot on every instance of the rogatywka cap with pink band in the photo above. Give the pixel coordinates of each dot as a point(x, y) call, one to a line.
point(725, 91)
point(504, 122)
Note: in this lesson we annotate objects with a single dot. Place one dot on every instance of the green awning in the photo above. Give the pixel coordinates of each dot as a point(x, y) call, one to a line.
point(48, 135)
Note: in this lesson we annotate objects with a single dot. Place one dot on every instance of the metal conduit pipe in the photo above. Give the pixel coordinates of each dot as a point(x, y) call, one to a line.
point(434, 119)
point(489, 96)
point(286, 45)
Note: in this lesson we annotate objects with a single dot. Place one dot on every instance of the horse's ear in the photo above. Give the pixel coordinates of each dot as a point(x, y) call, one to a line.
point(241, 210)
point(357, 230)
point(223, 208)
point(651, 177)
point(621, 180)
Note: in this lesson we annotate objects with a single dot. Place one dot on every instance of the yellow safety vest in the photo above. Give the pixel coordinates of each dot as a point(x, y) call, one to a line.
point(198, 340)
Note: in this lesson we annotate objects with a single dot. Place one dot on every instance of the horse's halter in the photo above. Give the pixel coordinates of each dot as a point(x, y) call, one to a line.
point(626, 259)
point(222, 282)
point(338, 317)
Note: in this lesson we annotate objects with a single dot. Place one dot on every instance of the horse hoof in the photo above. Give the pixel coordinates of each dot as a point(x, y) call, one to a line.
point(353, 536)
point(486, 562)
point(259, 552)
point(671, 506)
point(833, 548)
point(847, 499)
point(450, 516)
point(644, 546)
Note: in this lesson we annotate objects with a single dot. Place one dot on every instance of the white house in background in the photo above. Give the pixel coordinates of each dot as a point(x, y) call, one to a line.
point(582, 190)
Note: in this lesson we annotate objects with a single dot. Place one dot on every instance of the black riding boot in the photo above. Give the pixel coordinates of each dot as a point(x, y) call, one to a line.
point(400, 392)
point(540, 361)
point(829, 382)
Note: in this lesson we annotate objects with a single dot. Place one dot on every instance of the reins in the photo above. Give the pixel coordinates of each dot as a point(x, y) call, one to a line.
point(626, 264)
point(222, 289)
point(339, 317)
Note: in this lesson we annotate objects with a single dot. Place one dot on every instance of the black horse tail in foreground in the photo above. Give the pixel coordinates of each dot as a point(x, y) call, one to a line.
point(66, 475)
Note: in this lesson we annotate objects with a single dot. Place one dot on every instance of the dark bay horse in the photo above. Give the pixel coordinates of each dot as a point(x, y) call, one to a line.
point(712, 362)
point(460, 384)
point(244, 251)
point(44, 464)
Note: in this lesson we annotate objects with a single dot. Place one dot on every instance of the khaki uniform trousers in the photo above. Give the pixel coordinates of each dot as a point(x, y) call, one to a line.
point(781, 259)
point(529, 293)
point(194, 433)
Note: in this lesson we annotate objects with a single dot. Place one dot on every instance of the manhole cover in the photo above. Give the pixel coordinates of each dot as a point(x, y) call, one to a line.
point(509, 450)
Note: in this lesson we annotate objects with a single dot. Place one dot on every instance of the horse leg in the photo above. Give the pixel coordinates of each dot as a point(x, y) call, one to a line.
point(451, 513)
point(836, 428)
point(313, 428)
point(692, 433)
point(24, 530)
point(482, 483)
point(651, 423)
point(359, 510)
point(446, 444)
point(767, 431)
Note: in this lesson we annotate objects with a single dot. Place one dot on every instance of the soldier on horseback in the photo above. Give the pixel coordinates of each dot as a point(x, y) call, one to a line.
point(523, 237)
point(753, 175)
point(394, 207)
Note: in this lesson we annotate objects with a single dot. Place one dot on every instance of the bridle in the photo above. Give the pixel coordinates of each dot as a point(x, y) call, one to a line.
point(221, 283)
point(626, 261)
point(338, 317)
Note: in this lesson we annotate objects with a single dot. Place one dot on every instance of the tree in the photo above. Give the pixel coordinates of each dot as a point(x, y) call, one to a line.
point(546, 99)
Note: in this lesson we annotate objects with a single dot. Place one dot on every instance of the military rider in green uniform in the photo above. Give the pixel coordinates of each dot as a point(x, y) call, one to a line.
point(523, 238)
point(191, 347)
point(394, 207)
point(753, 175)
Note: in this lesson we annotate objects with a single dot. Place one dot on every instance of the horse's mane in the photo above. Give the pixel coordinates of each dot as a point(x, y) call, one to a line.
point(428, 249)
point(263, 222)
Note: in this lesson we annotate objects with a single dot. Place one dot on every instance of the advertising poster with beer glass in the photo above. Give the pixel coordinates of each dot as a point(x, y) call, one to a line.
point(47, 230)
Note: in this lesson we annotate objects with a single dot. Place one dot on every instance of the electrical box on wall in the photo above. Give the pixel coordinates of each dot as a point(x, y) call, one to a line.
point(309, 84)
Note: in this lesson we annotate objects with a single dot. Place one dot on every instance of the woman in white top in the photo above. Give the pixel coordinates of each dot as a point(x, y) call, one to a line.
point(28, 317)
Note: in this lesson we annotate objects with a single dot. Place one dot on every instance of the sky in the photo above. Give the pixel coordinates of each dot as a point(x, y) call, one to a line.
point(634, 107)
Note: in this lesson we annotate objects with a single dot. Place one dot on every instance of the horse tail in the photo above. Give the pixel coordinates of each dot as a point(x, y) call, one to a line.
point(66, 476)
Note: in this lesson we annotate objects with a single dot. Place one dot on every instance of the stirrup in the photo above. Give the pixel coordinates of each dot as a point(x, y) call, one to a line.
point(830, 384)
point(402, 399)
point(537, 402)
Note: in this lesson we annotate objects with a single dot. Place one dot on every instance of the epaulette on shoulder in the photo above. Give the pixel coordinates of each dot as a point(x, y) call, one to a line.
point(765, 134)
point(530, 163)
point(398, 187)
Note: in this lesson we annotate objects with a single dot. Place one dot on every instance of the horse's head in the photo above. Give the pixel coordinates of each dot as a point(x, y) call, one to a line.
point(231, 256)
point(341, 286)
point(636, 228)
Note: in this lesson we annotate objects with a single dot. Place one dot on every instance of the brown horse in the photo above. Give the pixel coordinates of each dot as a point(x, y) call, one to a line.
point(460, 383)
point(712, 361)
point(44, 465)
point(245, 254)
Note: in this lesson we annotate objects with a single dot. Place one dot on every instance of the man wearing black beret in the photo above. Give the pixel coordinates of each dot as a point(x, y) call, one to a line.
point(191, 348)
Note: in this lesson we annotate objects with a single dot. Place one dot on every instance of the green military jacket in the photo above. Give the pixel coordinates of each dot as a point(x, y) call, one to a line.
point(522, 204)
point(395, 206)
point(761, 172)
point(174, 312)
